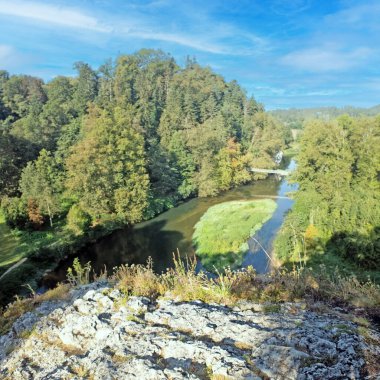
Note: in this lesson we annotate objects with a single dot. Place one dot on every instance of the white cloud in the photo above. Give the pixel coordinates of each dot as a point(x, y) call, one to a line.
point(366, 14)
point(8, 56)
point(223, 39)
point(325, 59)
point(192, 42)
point(63, 16)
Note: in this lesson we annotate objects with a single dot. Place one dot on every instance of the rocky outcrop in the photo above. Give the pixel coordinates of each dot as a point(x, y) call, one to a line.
point(98, 333)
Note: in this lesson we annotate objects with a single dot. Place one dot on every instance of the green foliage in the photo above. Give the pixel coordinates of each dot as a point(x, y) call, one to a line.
point(220, 236)
point(107, 168)
point(15, 211)
point(78, 220)
point(40, 181)
point(79, 274)
point(339, 193)
point(121, 143)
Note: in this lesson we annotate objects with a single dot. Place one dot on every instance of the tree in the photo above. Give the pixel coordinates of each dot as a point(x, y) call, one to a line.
point(78, 220)
point(40, 183)
point(86, 87)
point(107, 168)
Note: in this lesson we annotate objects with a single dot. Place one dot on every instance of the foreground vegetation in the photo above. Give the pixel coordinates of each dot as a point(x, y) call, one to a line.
point(336, 216)
point(184, 284)
point(220, 236)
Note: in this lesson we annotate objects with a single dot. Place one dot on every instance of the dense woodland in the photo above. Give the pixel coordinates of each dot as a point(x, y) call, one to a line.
point(337, 206)
point(125, 141)
point(297, 117)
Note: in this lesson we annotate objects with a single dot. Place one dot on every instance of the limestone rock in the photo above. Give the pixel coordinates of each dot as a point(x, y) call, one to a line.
point(100, 333)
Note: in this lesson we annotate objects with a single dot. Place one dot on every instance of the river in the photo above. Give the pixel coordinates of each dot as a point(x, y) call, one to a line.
point(173, 230)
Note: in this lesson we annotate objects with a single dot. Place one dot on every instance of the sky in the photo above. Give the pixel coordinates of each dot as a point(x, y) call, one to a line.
point(286, 53)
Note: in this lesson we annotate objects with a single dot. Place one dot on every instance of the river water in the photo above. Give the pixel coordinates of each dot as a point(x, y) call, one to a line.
point(172, 230)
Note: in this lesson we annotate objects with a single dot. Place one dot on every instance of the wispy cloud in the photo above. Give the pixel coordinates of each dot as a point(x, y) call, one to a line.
point(194, 42)
point(363, 14)
point(326, 58)
point(8, 56)
point(222, 40)
point(58, 15)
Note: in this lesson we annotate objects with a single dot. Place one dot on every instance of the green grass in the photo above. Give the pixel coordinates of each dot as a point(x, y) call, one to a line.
point(330, 262)
point(220, 236)
point(43, 249)
point(292, 150)
point(9, 242)
point(16, 244)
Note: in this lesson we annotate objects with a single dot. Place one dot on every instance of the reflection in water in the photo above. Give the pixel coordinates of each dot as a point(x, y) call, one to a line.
point(172, 230)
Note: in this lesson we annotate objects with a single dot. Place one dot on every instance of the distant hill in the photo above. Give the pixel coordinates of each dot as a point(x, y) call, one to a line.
point(295, 117)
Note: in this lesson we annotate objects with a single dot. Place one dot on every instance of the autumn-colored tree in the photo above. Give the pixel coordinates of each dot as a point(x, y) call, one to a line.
point(34, 214)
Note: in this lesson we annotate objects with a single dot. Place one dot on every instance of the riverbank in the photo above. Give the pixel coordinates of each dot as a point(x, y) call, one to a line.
point(44, 250)
point(158, 238)
point(221, 235)
point(39, 252)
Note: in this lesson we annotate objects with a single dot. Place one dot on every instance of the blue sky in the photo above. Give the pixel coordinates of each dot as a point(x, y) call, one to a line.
point(287, 53)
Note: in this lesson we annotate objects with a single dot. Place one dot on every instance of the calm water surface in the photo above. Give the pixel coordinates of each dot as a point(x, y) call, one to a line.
point(173, 229)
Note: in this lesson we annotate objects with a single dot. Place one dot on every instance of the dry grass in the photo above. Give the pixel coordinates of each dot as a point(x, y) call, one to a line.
point(60, 292)
point(13, 312)
point(243, 346)
point(183, 283)
point(21, 306)
point(138, 280)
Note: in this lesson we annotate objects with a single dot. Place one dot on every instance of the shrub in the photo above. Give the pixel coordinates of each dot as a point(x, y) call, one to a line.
point(15, 211)
point(78, 220)
point(361, 249)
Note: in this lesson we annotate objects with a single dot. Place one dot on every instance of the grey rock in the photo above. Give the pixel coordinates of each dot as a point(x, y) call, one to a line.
point(95, 333)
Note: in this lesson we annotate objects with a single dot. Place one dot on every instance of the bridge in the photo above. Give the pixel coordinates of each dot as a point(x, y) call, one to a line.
point(271, 171)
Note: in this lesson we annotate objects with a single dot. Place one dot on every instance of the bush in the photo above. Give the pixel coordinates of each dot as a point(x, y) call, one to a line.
point(361, 249)
point(15, 211)
point(78, 220)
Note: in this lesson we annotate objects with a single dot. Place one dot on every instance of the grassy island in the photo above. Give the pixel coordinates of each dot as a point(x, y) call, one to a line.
point(220, 237)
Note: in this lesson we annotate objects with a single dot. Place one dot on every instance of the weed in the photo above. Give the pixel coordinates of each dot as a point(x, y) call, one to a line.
point(79, 274)
point(80, 370)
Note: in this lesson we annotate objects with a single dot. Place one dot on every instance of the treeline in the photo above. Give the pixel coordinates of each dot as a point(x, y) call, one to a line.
point(337, 206)
point(125, 141)
point(296, 118)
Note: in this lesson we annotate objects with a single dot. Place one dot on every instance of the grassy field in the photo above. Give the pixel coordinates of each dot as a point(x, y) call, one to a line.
point(292, 150)
point(220, 236)
point(9, 243)
point(16, 244)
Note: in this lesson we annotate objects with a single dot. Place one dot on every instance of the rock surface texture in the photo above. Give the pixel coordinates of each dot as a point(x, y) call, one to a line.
point(100, 334)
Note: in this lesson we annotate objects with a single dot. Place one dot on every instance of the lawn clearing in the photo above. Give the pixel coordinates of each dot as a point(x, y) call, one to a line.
point(220, 236)
point(8, 244)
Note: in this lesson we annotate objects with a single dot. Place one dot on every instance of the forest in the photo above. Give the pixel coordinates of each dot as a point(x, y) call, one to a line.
point(297, 117)
point(336, 215)
point(119, 144)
